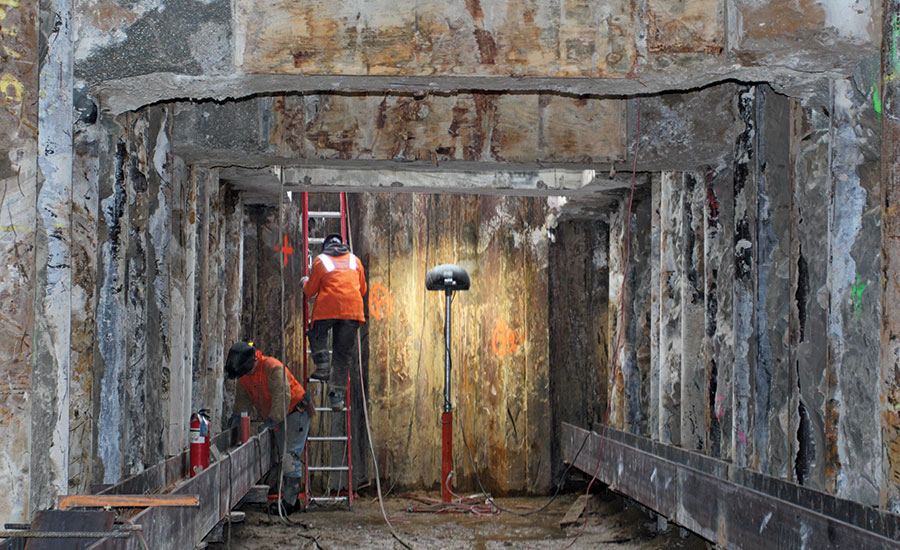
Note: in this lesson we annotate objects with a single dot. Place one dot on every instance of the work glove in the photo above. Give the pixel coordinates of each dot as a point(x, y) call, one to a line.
point(307, 405)
point(271, 423)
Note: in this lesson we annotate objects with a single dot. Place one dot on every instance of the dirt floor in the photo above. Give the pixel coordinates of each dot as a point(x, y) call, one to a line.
point(612, 523)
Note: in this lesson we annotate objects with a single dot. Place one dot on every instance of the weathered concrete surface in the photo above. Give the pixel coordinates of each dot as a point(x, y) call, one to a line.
point(655, 238)
point(684, 130)
point(671, 243)
point(577, 47)
point(694, 378)
point(744, 310)
point(854, 319)
point(775, 381)
point(810, 139)
point(52, 306)
point(119, 40)
point(19, 88)
point(890, 258)
point(500, 373)
point(718, 265)
point(621, 356)
point(92, 161)
point(431, 130)
point(579, 287)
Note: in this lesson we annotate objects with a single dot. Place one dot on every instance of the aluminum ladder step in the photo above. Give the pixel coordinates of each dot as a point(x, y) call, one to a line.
point(327, 438)
point(328, 468)
point(329, 409)
point(320, 214)
point(328, 499)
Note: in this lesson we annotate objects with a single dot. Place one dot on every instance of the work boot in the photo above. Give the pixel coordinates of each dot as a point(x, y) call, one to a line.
point(336, 397)
point(322, 372)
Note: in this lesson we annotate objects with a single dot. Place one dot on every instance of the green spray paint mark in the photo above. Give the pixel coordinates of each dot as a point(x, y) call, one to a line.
point(876, 101)
point(856, 295)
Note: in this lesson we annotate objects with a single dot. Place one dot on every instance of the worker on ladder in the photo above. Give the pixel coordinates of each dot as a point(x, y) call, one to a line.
point(272, 390)
point(338, 283)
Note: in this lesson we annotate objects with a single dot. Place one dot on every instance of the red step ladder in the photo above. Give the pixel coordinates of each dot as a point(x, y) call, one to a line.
point(347, 466)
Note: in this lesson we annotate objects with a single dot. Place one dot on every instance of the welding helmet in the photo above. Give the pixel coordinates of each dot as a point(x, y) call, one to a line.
point(241, 359)
point(334, 238)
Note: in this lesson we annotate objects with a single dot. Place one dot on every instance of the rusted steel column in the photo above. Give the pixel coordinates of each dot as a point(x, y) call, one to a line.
point(774, 381)
point(745, 205)
point(694, 379)
point(810, 140)
point(854, 404)
point(718, 266)
point(890, 253)
point(670, 299)
point(655, 234)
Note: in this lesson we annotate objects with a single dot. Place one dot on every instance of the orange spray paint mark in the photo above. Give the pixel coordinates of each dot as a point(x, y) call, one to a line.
point(380, 302)
point(504, 340)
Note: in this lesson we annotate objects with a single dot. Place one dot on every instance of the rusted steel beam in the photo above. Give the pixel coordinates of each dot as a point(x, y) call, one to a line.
point(219, 487)
point(126, 501)
point(732, 506)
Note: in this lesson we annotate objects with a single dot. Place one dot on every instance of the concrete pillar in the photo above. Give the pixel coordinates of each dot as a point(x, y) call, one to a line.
point(18, 174)
point(671, 263)
point(655, 232)
point(638, 387)
point(53, 245)
point(854, 318)
point(621, 364)
point(91, 163)
point(810, 144)
point(694, 378)
point(181, 249)
point(744, 319)
point(578, 298)
point(890, 252)
point(718, 266)
point(111, 359)
point(775, 381)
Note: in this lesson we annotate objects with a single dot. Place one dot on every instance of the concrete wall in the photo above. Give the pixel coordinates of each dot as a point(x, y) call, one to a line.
point(776, 253)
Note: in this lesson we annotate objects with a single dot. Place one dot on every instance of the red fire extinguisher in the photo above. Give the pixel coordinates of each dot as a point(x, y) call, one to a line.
point(199, 441)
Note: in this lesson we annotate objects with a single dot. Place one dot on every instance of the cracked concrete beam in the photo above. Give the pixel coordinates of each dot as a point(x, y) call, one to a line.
point(213, 51)
point(538, 130)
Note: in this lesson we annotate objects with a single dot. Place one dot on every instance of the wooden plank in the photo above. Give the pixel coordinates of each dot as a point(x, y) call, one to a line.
point(574, 511)
point(126, 501)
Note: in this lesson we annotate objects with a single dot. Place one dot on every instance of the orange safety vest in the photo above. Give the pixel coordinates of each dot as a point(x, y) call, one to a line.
point(338, 283)
point(256, 383)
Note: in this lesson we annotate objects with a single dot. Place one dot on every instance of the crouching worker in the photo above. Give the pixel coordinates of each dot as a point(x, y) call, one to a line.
point(273, 391)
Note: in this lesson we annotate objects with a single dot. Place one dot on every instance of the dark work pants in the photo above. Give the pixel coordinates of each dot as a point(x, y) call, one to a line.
point(343, 344)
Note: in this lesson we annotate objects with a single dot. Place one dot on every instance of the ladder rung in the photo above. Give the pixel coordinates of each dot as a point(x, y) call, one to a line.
point(329, 409)
point(328, 499)
point(328, 468)
point(327, 438)
point(323, 214)
point(316, 240)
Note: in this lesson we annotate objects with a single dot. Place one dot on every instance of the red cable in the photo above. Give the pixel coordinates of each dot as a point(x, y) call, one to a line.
point(620, 328)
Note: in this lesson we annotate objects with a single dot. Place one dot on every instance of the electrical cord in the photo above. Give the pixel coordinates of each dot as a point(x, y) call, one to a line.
point(366, 418)
point(490, 499)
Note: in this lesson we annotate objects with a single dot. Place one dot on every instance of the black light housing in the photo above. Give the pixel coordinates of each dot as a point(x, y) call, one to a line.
point(447, 277)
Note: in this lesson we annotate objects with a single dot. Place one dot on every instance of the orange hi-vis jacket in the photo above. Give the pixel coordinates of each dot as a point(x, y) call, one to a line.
point(338, 283)
point(264, 388)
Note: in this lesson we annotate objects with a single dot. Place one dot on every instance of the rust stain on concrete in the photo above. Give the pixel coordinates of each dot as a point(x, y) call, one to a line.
point(694, 26)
